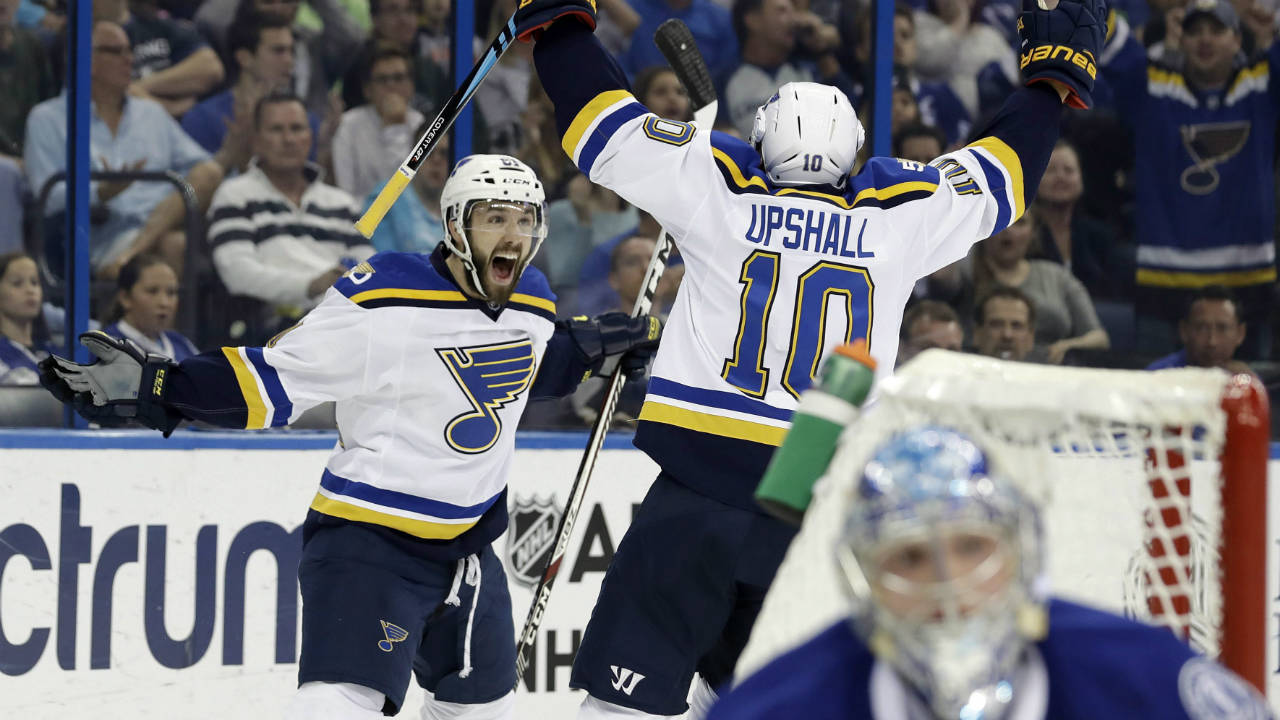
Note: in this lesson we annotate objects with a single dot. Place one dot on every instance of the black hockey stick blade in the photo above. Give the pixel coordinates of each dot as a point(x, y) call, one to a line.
point(677, 45)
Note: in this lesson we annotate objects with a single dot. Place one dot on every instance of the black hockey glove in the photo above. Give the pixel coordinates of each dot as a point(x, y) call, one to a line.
point(1060, 46)
point(123, 385)
point(616, 333)
point(534, 16)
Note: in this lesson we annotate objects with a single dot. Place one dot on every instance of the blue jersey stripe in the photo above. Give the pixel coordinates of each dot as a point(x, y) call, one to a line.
point(592, 148)
point(996, 184)
point(275, 390)
point(716, 399)
point(403, 501)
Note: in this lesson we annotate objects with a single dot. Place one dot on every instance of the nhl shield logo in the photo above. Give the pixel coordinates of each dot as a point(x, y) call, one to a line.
point(532, 537)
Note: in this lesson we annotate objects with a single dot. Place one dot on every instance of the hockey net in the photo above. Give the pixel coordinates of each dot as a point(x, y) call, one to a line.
point(1153, 487)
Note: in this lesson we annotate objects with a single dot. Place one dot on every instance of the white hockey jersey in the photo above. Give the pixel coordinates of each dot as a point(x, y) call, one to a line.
point(428, 384)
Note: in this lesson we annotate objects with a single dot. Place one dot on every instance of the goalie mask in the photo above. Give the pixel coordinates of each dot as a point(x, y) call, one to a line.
point(942, 560)
point(505, 190)
point(807, 134)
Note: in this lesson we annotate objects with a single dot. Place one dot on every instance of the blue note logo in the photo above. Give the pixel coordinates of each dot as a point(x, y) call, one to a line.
point(491, 376)
point(391, 634)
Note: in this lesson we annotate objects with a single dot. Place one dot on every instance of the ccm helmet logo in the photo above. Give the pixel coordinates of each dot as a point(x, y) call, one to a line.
point(1082, 59)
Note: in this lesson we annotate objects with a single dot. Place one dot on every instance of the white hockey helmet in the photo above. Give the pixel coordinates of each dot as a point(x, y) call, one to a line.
point(808, 134)
point(489, 178)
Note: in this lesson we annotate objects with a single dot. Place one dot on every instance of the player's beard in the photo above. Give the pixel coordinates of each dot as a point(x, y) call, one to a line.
point(499, 282)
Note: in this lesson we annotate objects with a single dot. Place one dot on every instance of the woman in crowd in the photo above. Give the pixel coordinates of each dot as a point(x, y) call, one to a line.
point(24, 340)
point(146, 302)
point(658, 89)
point(1065, 316)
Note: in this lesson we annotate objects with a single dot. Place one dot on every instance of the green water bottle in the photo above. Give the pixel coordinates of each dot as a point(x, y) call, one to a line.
point(822, 414)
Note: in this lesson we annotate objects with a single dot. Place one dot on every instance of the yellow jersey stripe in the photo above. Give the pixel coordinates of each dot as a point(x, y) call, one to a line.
point(712, 424)
point(407, 294)
point(535, 301)
point(586, 116)
point(1187, 280)
point(883, 193)
point(894, 190)
point(417, 528)
point(248, 388)
point(735, 172)
point(1012, 165)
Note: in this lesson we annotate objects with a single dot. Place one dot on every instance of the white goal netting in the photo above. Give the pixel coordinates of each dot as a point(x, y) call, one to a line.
point(1125, 464)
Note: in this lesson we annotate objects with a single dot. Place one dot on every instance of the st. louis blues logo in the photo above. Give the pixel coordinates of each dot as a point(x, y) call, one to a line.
point(532, 537)
point(491, 376)
point(392, 634)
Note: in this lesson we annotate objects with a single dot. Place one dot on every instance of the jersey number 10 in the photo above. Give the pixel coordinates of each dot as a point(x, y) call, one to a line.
point(814, 290)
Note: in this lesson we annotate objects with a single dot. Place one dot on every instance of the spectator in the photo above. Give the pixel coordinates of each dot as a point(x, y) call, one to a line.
point(658, 89)
point(929, 324)
point(1066, 319)
point(1005, 326)
point(374, 138)
point(1204, 121)
point(260, 54)
point(710, 24)
point(172, 64)
point(587, 218)
point(25, 80)
point(414, 223)
point(1086, 247)
point(146, 302)
point(504, 95)
point(125, 133)
point(398, 23)
point(1212, 329)
point(594, 287)
point(23, 339)
point(767, 31)
point(320, 57)
point(919, 142)
point(278, 233)
point(954, 46)
point(541, 148)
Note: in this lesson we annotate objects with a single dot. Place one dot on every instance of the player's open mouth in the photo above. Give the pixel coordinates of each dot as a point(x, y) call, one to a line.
point(502, 268)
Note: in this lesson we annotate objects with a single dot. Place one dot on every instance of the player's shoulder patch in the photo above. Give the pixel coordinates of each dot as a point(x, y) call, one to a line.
point(889, 182)
point(533, 294)
point(1210, 691)
point(397, 278)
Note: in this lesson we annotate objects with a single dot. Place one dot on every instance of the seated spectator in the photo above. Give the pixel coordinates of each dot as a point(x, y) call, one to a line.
point(374, 138)
point(589, 216)
point(658, 89)
point(278, 233)
point(396, 23)
point(1065, 316)
point(929, 324)
point(321, 57)
point(260, 55)
point(595, 288)
point(919, 142)
point(709, 23)
point(24, 342)
point(415, 222)
point(1005, 326)
point(1212, 329)
point(954, 46)
point(629, 257)
point(768, 31)
point(25, 80)
point(146, 303)
point(1086, 247)
point(172, 64)
point(125, 133)
point(541, 148)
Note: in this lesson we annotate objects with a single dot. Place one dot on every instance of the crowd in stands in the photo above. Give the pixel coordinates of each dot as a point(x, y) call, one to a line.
point(1152, 239)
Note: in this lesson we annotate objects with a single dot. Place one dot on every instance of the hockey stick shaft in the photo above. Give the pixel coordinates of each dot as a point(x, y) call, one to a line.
point(452, 108)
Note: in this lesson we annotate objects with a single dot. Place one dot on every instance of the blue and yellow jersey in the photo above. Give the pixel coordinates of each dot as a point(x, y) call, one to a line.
point(428, 384)
point(775, 277)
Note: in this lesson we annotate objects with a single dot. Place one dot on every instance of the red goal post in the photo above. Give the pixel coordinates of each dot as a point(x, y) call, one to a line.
point(1154, 488)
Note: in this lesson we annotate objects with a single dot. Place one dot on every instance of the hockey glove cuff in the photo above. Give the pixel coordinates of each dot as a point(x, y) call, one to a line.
point(616, 334)
point(1060, 46)
point(534, 16)
point(124, 384)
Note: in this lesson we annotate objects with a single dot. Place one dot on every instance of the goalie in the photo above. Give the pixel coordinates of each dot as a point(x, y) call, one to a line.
point(941, 555)
point(430, 359)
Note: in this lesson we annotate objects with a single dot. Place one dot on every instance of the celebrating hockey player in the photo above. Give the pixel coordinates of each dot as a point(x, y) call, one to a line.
point(941, 554)
point(430, 359)
point(787, 255)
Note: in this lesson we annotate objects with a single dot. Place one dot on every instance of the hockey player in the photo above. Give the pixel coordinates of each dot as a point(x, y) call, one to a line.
point(942, 557)
point(430, 359)
point(786, 257)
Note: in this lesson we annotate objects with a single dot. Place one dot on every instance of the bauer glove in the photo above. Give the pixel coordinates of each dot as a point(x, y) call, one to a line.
point(534, 16)
point(614, 334)
point(123, 385)
point(1061, 46)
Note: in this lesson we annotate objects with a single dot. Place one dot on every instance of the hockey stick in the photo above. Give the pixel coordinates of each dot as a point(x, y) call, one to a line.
point(676, 43)
point(452, 107)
